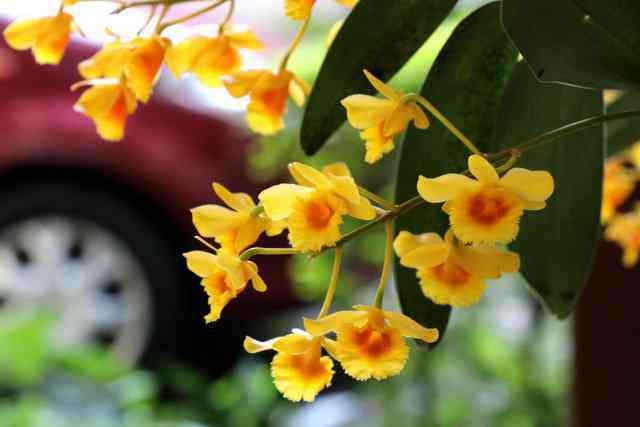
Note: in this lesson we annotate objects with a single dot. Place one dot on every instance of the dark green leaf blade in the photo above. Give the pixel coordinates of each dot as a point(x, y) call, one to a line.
point(621, 134)
point(466, 83)
point(558, 243)
point(590, 43)
point(377, 36)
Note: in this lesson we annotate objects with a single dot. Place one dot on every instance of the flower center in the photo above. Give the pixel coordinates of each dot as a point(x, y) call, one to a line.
point(228, 59)
point(372, 343)
point(318, 214)
point(118, 112)
point(149, 59)
point(275, 100)
point(217, 284)
point(634, 240)
point(489, 207)
point(451, 274)
point(308, 365)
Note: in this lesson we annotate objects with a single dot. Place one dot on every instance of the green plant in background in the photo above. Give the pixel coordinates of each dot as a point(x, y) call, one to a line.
point(87, 387)
point(485, 376)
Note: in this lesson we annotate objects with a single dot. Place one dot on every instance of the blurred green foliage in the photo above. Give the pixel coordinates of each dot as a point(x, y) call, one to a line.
point(41, 386)
point(496, 370)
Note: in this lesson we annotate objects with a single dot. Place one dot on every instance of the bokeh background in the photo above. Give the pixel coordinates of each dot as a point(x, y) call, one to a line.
point(101, 324)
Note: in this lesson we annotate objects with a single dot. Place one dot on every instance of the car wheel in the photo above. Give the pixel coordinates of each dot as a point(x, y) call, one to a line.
point(100, 266)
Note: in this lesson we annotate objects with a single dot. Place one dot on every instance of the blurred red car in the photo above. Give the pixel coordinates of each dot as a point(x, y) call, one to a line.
point(94, 230)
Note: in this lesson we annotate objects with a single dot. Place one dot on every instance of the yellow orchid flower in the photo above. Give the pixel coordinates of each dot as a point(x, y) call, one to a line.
point(487, 209)
point(108, 104)
point(47, 37)
point(299, 370)
point(298, 9)
point(634, 154)
point(314, 207)
point(210, 58)
point(138, 61)
point(617, 186)
point(625, 231)
point(69, 2)
point(337, 179)
point(234, 228)
point(450, 272)
point(382, 119)
point(268, 94)
point(224, 276)
point(370, 340)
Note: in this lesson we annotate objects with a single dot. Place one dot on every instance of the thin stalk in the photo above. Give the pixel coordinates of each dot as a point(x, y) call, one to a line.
point(124, 5)
point(163, 13)
point(386, 266)
point(401, 209)
point(227, 18)
point(207, 244)
point(442, 119)
point(513, 158)
point(333, 283)
point(381, 201)
point(152, 14)
point(190, 16)
point(257, 210)
point(251, 252)
point(294, 43)
point(563, 131)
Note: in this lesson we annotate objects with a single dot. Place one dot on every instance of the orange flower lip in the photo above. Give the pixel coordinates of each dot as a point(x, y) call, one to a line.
point(451, 274)
point(488, 209)
point(275, 101)
point(318, 214)
point(372, 343)
point(309, 365)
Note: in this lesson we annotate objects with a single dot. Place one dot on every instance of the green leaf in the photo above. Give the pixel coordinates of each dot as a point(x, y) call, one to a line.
point(591, 43)
point(558, 243)
point(466, 83)
point(623, 133)
point(378, 36)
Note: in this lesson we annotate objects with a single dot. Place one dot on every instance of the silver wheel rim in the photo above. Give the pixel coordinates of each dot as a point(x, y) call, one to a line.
point(82, 273)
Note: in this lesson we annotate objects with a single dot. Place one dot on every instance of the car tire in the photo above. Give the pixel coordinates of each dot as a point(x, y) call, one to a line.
point(151, 247)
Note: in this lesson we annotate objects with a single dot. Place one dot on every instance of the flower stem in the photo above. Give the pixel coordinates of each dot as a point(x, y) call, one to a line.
point(563, 131)
point(294, 43)
point(513, 158)
point(190, 16)
point(400, 210)
point(227, 18)
point(257, 210)
point(386, 266)
point(125, 5)
point(152, 14)
point(333, 283)
point(438, 115)
point(377, 199)
point(207, 244)
point(251, 252)
point(163, 13)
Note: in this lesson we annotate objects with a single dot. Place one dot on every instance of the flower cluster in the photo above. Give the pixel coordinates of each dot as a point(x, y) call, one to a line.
point(124, 72)
point(483, 212)
point(622, 226)
point(484, 204)
point(381, 120)
point(369, 341)
point(484, 207)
